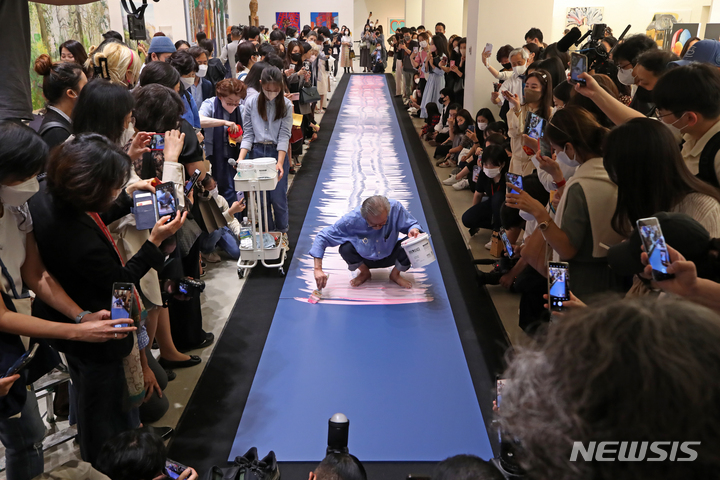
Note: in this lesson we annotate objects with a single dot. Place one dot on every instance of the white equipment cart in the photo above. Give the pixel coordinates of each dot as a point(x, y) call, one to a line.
point(257, 177)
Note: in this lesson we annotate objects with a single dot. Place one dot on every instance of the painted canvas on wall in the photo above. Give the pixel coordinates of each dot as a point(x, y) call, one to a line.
point(681, 33)
point(323, 19)
point(209, 16)
point(395, 24)
point(288, 19)
point(583, 16)
point(51, 25)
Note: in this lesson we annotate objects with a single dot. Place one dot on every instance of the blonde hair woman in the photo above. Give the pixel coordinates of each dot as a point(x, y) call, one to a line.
point(116, 62)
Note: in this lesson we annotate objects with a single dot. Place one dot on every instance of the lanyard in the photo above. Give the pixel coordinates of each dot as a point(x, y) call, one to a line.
point(7, 275)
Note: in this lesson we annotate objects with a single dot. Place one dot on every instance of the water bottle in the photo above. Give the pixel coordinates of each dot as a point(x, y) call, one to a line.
point(246, 234)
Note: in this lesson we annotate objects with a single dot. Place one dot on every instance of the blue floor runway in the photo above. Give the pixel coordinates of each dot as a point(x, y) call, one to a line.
point(390, 359)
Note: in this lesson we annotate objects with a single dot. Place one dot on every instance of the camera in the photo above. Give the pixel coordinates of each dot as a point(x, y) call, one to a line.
point(184, 287)
point(338, 432)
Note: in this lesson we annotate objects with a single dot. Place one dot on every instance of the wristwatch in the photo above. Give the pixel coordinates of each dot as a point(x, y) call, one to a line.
point(80, 316)
point(544, 225)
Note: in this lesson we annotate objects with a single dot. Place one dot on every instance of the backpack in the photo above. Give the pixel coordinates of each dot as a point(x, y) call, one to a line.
point(706, 170)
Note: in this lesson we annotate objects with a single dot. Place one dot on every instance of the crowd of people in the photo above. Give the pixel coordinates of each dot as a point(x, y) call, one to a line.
point(563, 169)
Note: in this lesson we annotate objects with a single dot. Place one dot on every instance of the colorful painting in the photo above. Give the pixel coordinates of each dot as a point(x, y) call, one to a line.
point(583, 16)
point(395, 24)
point(288, 19)
point(209, 16)
point(681, 33)
point(323, 19)
point(51, 25)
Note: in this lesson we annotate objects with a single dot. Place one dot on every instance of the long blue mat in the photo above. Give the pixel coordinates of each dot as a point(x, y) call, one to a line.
point(388, 358)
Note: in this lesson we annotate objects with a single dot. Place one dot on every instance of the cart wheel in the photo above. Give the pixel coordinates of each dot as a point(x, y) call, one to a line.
point(281, 271)
point(241, 272)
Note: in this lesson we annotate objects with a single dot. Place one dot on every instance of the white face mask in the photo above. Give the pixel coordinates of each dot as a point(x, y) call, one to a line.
point(519, 70)
point(18, 195)
point(562, 157)
point(270, 95)
point(625, 76)
point(202, 70)
point(526, 216)
point(313, 58)
point(417, 80)
point(482, 126)
point(491, 172)
point(457, 49)
point(214, 192)
point(677, 131)
point(423, 44)
point(187, 81)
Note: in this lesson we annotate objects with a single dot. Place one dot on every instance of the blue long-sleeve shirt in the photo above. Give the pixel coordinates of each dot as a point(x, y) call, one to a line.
point(257, 130)
point(369, 243)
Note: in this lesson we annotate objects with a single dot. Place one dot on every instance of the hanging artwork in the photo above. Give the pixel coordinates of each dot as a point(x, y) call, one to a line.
point(395, 24)
point(681, 33)
point(287, 19)
point(583, 16)
point(209, 16)
point(51, 25)
point(323, 19)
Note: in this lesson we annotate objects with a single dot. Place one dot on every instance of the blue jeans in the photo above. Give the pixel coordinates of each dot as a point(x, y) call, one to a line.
point(223, 238)
point(278, 220)
point(23, 437)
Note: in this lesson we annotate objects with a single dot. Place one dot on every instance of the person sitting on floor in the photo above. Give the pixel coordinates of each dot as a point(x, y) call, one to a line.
point(227, 237)
point(368, 238)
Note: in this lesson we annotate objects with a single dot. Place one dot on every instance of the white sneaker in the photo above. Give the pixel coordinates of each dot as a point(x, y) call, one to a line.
point(462, 184)
point(412, 110)
point(488, 245)
point(450, 180)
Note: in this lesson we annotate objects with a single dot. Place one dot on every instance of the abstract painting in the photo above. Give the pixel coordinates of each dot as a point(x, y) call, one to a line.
point(323, 19)
point(579, 16)
point(395, 24)
point(209, 16)
point(287, 19)
point(50, 26)
point(681, 33)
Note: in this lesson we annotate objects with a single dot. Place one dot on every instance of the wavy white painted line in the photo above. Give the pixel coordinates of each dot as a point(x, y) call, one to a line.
point(365, 163)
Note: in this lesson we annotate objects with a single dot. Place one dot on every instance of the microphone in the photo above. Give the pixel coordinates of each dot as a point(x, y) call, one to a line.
point(232, 162)
point(587, 34)
point(564, 44)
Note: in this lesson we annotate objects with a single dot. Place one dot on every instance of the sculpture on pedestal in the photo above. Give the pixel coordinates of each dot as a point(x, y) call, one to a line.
point(254, 19)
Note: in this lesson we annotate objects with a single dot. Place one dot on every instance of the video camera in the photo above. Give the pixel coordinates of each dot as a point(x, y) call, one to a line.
point(185, 288)
point(594, 50)
point(136, 19)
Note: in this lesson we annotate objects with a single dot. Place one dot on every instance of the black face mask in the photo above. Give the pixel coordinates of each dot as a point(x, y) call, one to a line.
point(462, 127)
point(296, 57)
point(507, 66)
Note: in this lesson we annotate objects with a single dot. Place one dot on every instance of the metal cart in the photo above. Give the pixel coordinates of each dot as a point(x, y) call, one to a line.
point(256, 183)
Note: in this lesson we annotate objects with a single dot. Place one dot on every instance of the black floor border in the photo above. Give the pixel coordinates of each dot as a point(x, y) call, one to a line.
point(207, 428)
point(482, 334)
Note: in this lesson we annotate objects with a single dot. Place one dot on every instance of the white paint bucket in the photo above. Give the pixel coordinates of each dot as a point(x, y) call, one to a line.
point(419, 250)
point(257, 168)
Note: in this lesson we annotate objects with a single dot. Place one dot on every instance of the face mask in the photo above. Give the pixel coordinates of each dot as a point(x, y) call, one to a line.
point(423, 44)
point(187, 81)
point(491, 172)
point(407, 39)
point(463, 127)
point(433, 48)
point(625, 76)
point(482, 126)
point(677, 131)
point(313, 58)
point(214, 193)
point(297, 35)
point(532, 96)
point(202, 70)
point(562, 157)
point(296, 57)
point(457, 49)
point(17, 195)
point(526, 216)
point(519, 70)
point(417, 80)
point(507, 66)
point(270, 95)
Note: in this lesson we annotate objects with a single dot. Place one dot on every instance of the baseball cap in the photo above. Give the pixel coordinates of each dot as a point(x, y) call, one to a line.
point(161, 45)
point(704, 51)
point(681, 232)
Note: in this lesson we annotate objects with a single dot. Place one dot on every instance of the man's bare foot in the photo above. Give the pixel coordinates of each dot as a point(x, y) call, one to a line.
point(362, 277)
point(397, 278)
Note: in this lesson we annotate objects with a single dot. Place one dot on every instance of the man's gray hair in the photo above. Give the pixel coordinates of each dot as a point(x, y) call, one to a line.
point(374, 206)
point(520, 51)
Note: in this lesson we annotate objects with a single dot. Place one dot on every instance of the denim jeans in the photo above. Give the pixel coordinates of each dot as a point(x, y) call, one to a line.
point(278, 220)
point(223, 238)
point(23, 437)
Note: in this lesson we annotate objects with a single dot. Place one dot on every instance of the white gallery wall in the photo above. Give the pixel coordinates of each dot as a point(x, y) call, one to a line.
point(239, 10)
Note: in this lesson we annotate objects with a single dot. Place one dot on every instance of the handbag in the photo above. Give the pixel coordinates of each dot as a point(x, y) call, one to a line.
point(296, 134)
point(309, 95)
point(352, 53)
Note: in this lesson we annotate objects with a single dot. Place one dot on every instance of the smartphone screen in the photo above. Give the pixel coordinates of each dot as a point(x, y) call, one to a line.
point(506, 242)
point(513, 180)
point(534, 126)
point(578, 65)
point(157, 142)
point(415, 49)
point(165, 198)
point(241, 196)
point(22, 362)
point(655, 247)
point(499, 386)
point(471, 128)
point(190, 184)
point(174, 469)
point(121, 302)
point(452, 63)
point(558, 287)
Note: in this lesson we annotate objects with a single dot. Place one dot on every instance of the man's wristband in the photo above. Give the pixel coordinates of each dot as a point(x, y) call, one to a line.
point(80, 316)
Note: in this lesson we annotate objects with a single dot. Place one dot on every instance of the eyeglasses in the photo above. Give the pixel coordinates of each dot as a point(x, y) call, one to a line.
point(657, 115)
point(377, 226)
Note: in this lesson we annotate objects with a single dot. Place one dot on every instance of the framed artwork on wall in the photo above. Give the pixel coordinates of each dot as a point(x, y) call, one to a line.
point(323, 19)
point(583, 16)
point(680, 34)
point(287, 19)
point(395, 24)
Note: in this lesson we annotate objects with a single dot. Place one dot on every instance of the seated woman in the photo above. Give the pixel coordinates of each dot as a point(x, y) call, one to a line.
point(85, 193)
point(582, 223)
point(458, 129)
point(491, 183)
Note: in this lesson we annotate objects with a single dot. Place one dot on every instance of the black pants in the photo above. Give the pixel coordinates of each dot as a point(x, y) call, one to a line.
point(531, 285)
point(486, 214)
point(100, 394)
point(398, 258)
point(186, 315)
